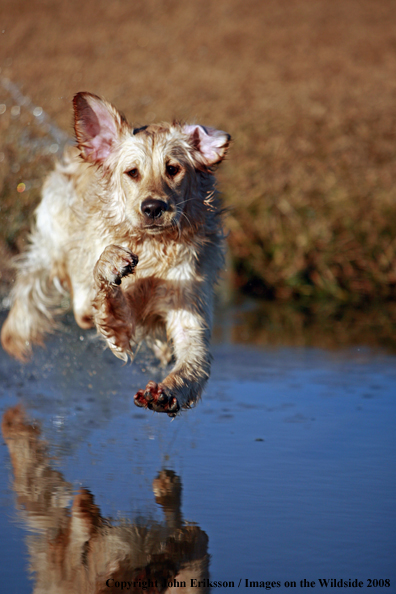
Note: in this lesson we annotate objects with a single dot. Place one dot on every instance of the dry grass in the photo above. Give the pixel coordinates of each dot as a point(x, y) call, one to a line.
point(324, 324)
point(307, 88)
point(320, 219)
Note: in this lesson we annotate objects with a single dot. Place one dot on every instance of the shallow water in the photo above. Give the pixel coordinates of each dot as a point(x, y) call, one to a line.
point(286, 470)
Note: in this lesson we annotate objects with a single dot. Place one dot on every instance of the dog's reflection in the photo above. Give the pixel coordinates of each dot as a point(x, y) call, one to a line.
point(75, 550)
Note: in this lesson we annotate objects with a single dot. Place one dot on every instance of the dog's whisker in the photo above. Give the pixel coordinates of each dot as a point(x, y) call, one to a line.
point(185, 201)
point(176, 224)
point(183, 214)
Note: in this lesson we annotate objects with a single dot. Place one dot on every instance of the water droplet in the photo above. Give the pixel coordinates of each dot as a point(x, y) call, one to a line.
point(58, 421)
point(3, 108)
point(54, 148)
point(15, 110)
point(37, 111)
point(21, 187)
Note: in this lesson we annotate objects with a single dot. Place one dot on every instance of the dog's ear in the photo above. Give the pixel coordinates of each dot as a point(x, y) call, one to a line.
point(98, 126)
point(210, 144)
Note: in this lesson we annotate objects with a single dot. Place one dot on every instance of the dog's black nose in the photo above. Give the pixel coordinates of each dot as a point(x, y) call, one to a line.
point(152, 208)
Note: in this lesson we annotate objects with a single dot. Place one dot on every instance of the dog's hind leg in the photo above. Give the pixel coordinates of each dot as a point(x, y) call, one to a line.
point(35, 300)
point(112, 313)
point(42, 278)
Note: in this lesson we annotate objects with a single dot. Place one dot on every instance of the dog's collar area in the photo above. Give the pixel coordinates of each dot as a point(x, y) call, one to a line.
point(137, 130)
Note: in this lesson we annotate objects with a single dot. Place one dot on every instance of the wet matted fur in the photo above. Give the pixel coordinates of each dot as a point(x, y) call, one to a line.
point(130, 225)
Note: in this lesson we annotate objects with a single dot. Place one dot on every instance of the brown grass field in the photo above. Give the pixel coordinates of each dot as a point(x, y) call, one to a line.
point(307, 89)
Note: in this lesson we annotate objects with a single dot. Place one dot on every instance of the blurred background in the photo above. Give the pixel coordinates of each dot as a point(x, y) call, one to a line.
point(306, 88)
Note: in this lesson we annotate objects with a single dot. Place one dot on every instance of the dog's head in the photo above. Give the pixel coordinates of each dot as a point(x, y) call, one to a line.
point(155, 173)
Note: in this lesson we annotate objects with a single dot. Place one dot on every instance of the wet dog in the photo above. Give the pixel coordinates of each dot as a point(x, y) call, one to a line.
point(130, 225)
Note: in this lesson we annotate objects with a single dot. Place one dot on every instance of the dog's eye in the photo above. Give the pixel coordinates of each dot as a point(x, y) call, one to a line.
point(172, 170)
point(133, 173)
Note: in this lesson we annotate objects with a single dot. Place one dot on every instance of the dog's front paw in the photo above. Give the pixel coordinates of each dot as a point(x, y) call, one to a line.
point(114, 263)
point(158, 398)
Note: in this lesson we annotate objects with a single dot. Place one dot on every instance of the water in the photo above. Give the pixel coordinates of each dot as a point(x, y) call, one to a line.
point(285, 471)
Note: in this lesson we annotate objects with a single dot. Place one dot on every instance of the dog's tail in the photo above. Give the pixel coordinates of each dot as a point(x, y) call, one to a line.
point(35, 300)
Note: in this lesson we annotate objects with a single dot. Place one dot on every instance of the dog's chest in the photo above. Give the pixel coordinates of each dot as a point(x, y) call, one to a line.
point(171, 261)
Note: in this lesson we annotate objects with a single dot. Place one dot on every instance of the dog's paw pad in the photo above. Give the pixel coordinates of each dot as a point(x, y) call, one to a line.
point(156, 397)
point(128, 268)
point(115, 263)
point(123, 266)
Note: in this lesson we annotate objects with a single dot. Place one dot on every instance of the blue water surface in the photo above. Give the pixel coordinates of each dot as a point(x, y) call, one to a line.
point(287, 464)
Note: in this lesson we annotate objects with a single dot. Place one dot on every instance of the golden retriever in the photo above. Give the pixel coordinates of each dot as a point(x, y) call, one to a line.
point(130, 225)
